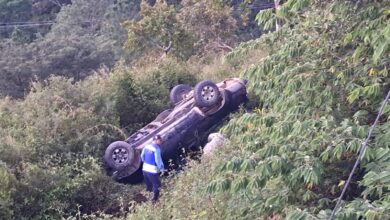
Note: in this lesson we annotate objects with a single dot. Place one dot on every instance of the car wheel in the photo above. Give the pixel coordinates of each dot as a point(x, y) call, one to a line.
point(118, 155)
point(179, 92)
point(206, 93)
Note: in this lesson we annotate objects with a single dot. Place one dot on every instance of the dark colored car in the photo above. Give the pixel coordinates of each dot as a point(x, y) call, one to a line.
point(195, 114)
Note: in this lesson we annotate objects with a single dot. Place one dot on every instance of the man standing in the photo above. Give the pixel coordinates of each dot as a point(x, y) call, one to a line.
point(151, 157)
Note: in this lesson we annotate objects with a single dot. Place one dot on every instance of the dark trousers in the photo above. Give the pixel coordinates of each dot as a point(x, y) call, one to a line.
point(153, 184)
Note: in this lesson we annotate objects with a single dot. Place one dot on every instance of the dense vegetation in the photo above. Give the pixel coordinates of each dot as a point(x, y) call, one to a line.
point(319, 88)
point(70, 88)
point(84, 36)
point(104, 68)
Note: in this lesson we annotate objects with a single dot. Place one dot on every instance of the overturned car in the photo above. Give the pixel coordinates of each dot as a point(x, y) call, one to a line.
point(197, 112)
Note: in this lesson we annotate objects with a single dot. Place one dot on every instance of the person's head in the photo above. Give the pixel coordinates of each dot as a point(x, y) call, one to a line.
point(157, 139)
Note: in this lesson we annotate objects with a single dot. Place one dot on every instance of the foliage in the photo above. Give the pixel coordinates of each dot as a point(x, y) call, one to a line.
point(188, 28)
point(139, 96)
point(87, 35)
point(283, 15)
point(43, 139)
point(55, 192)
point(318, 91)
point(157, 29)
point(183, 196)
point(52, 141)
point(27, 12)
point(6, 201)
point(300, 113)
point(316, 85)
point(212, 24)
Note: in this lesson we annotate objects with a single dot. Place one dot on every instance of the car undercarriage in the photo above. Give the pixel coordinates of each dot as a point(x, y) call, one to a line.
point(196, 113)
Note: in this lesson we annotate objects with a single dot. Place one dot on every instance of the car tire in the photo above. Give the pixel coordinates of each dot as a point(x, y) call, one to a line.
point(206, 93)
point(178, 93)
point(118, 155)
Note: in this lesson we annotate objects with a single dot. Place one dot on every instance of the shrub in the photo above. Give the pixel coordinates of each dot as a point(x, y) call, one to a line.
point(6, 188)
point(140, 93)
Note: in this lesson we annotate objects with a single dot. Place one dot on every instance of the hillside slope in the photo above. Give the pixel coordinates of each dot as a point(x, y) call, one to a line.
point(318, 90)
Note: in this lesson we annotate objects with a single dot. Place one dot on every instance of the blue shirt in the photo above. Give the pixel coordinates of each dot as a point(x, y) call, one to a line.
point(151, 156)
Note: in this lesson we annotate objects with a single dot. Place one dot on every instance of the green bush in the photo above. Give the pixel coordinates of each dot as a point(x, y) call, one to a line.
point(52, 142)
point(59, 123)
point(141, 93)
point(6, 187)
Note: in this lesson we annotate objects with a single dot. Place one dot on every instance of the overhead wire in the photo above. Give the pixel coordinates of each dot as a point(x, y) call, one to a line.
point(23, 22)
point(31, 24)
point(361, 151)
point(10, 25)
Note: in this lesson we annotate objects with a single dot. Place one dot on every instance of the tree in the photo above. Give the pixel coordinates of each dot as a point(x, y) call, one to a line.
point(157, 30)
point(212, 24)
point(21, 20)
point(87, 34)
point(14, 10)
